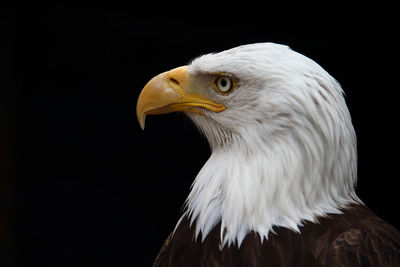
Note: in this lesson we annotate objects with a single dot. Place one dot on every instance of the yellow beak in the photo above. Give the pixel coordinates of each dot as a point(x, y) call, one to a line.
point(166, 93)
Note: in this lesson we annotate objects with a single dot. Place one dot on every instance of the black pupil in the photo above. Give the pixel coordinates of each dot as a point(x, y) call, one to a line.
point(223, 82)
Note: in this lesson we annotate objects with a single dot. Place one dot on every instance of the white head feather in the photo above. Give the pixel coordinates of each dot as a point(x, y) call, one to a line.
point(284, 150)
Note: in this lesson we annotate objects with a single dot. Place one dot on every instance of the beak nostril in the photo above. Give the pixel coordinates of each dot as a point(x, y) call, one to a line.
point(173, 81)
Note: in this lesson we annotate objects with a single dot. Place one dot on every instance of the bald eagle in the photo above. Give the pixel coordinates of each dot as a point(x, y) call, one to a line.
point(279, 186)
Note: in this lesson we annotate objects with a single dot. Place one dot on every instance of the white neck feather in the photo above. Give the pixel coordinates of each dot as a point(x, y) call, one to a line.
point(279, 181)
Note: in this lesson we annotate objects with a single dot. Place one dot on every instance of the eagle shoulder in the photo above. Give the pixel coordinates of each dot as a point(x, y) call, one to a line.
point(162, 256)
point(356, 247)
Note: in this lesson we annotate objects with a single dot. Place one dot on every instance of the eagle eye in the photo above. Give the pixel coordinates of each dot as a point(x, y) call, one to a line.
point(224, 84)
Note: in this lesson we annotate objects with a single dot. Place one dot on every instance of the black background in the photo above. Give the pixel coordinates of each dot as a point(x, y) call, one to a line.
point(85, 185)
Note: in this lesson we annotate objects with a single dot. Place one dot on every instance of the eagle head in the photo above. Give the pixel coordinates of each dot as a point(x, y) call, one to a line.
point(283, 145)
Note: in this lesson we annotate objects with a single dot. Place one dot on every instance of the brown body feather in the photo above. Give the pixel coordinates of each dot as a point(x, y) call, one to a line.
point(355, 238)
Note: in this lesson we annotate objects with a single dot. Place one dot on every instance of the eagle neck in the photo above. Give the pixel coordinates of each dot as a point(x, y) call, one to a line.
point(256, 189)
